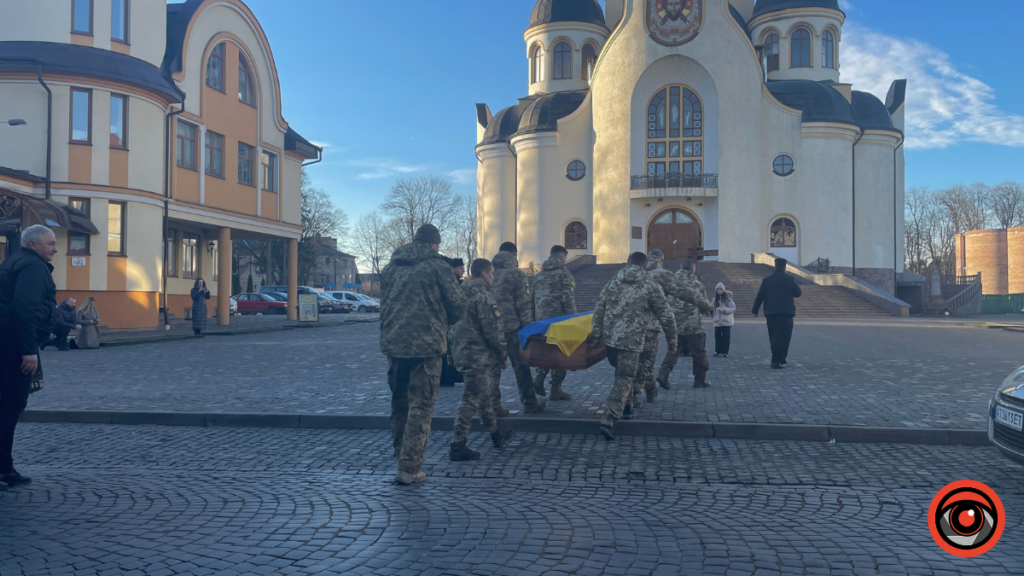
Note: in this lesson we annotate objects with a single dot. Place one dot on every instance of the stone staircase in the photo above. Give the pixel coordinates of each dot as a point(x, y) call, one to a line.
point(743, 280)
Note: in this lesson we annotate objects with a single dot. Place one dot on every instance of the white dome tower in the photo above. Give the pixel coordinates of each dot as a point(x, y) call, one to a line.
point(563, 42)
point(800, 38)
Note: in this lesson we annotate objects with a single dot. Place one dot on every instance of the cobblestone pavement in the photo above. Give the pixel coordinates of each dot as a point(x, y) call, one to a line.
point(901, 373)
point(152, 500)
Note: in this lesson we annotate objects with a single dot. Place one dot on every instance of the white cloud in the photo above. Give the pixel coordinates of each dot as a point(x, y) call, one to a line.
point(463, 176)
point(383, 168)
point(321, 144)
point(945, 106)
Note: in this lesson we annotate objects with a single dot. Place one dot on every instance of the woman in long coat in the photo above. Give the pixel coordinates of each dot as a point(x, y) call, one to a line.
point(89, 319)
point(200, 294)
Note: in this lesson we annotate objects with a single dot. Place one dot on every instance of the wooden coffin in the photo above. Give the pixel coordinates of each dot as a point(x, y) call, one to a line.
point(539, 354)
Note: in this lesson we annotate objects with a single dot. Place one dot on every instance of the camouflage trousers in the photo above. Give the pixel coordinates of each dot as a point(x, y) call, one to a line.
point(692, 345)
point(524, 380)
point(477, 397)
point(557, 377)
point(644, 381)
point(414, 384)
point(626, 363)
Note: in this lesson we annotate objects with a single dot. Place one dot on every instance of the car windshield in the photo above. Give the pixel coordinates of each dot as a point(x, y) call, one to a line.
point(364, 297)
point(277, 297)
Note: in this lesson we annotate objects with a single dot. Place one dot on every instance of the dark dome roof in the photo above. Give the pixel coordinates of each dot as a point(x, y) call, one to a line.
point(548, 11)
point(545, 112)
point(869, 112)
point(502, 126)
point(819, 102)
point(766, 6)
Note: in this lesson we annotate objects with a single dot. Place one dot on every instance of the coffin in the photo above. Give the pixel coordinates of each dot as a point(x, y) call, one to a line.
point(539, 354)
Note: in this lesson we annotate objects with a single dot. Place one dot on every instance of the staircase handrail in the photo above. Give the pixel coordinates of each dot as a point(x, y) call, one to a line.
point(967, 294)
point(872, 294)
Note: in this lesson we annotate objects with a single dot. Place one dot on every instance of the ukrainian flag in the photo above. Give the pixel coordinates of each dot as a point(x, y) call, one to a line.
point(566, 332)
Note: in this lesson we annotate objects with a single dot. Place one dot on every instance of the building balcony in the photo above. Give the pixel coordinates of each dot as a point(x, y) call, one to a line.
point(673, 184)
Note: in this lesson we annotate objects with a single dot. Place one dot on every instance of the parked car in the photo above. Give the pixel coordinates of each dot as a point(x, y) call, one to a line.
point(284, 290)
point(261, 304)
point(329, 305)
point(1006, 417)
point(359, 302)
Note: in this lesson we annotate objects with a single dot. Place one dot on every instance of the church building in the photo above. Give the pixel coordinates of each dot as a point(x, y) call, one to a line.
point(713, 129)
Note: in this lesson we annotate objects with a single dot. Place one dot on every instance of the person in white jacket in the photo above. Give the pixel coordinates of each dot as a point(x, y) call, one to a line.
point(725, 310)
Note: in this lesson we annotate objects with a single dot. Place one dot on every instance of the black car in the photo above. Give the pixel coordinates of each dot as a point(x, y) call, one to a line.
point(1006, 417)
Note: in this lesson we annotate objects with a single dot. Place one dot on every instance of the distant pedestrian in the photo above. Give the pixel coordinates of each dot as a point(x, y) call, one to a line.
point(777, 293)
point(554, 295)
point(512, 293)
point(419, 300)
point(27, 300)
point(725, 318)
point(89, 320)
point(65, 320)
point(200, 294)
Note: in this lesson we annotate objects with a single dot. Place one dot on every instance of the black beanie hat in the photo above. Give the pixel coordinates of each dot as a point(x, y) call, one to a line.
point(428, 234)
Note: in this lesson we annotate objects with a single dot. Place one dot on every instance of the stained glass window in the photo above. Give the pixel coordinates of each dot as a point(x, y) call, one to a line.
point(674, 113)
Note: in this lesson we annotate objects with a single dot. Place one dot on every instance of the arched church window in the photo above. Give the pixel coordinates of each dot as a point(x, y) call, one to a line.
point(535, 65)
point(563, 61)
point(783, 165)
point(589, 61)
point(675, 135)
point(828, 50)
point(215, 68)
point(246, 90)
point(771, 52)
point(800, 49)
point(576, 171)
point(783, 233)
point(576, 236)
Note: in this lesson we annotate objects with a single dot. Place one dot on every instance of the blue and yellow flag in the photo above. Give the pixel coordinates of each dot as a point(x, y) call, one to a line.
point(566, 332)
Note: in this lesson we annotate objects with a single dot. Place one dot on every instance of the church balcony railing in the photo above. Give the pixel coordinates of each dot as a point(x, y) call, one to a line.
point(674, 184)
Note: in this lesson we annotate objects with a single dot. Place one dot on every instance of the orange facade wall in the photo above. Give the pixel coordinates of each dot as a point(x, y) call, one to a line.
point(121, 310)
point(118, 168)
point(80, 163)
point(117, 273)
point(269, 207)
point(78, 276)
point(186, 184)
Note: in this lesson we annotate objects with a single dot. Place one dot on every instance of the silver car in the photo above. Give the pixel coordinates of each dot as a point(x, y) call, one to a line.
point(1006, 417)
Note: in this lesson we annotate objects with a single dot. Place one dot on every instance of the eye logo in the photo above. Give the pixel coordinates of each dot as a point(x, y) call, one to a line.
point(966, 518)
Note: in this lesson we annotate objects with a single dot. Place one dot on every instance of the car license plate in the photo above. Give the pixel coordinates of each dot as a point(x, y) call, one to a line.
point(1009, 418)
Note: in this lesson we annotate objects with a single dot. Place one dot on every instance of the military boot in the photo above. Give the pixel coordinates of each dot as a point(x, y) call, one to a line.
point(651, 395)
point(501, 412)
point(558, 394)
point(536, 407)
point(538, 385)
point(627, 412)
point(662, 380)
point(608, 432)
point(502, 436)
point(460, 452)
point(701, 382)
point(407, 478)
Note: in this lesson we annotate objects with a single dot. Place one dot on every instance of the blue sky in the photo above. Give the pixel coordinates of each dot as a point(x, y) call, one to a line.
point(390, 87)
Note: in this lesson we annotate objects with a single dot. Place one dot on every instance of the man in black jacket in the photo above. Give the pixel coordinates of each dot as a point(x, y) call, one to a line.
point(65, 320)
point(777, 293)
point(27, 301)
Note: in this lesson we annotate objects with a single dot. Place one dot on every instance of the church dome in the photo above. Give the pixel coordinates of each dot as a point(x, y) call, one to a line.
point(768, 6)
point(549, 11)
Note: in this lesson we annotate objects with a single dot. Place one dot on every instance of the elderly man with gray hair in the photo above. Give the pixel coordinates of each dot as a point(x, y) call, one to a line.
point(28, 297)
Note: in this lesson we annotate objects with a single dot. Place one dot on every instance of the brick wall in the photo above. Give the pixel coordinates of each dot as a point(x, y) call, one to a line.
point(986, 253)
point(1015, 260)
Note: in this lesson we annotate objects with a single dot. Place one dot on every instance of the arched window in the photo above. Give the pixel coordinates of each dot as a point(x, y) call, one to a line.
point(246, 91)
point(783, 233)
point(576, 236)
point(536, 73)
point(215, 68)
point(675, 134)
point(563, 61)
point(828, 50)
point(771, 52)
point(800, 49)
point(589, 61)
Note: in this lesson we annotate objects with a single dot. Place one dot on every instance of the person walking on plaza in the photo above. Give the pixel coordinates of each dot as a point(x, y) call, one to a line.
point(645, 381)
point(89, 319)
point(65, 320)
point(28, 298)
point(200, 294)
point(554, 295)
point(511, 291)
point(420, 299)
point(624, 311)
point(692, 339)
point(725, 317)
point(478, 345)
point(777, 293)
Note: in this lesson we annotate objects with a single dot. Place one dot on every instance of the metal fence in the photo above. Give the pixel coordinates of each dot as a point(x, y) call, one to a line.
point(1012, 304)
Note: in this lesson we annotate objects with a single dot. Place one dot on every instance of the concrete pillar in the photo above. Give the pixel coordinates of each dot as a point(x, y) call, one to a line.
point(293, 279)
point(224, 277)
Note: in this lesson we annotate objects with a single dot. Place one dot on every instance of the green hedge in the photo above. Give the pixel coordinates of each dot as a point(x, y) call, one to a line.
point(1012, 304)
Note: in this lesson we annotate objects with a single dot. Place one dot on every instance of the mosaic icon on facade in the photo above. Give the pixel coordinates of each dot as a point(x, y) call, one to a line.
point(674, 22)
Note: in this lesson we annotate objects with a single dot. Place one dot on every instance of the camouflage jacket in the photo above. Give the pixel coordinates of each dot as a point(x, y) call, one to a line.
point(667, 281)
point(694, 301)
point(419, 299)
point(512, 293)
point(554, 291)
point(627, 306)
point(478, 340)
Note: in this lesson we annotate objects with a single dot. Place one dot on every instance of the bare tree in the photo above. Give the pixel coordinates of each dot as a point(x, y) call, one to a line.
point(425, 200)
point(1007, 203)
point(320, 219)
point(917, 230)
point(967, 206)
point(460, 239)
point(372, 241)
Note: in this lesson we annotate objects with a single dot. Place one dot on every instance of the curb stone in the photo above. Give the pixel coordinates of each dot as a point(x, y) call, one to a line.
point(669, 429)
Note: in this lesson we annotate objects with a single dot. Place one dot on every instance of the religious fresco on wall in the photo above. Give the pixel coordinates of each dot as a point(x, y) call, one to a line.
point(674, 22)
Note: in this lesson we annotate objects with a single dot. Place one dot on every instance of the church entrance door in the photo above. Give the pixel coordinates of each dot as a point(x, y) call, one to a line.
point(675, 232)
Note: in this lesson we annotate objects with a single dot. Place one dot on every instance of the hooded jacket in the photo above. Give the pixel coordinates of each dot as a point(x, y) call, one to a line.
point(512, 293)
point(725, 314)
point(419, 300)
point(478, 341)
point(28, 298)
point(626, 308)
point(554, 290)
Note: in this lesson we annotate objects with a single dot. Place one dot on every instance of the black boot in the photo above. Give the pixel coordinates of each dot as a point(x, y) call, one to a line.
point(460, 452)
point(608, 432)
point(14, 479)
point(627, 412)
point(502, 436)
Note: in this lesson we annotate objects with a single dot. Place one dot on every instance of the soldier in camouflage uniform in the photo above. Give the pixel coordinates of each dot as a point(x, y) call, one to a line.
point(478, 345)
point(554, 295)
point(692, 340)
point(420, 299)
point(512, 293)
point(645, 373)
point(624, 312)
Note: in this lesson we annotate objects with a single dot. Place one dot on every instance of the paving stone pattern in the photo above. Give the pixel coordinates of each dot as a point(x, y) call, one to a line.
point(877, 372)
point(152, 500)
